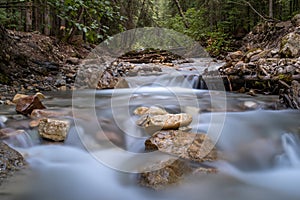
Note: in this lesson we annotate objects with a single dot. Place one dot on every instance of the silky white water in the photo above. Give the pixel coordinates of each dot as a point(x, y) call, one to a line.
point(260, 148)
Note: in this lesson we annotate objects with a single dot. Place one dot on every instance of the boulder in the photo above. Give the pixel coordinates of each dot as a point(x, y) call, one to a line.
point(290, 45)
point(152, 111)
point(17, 97)
point(53, 129)
point(27, 104)
point(10, 160)
point(164, 122)
point(191, 146)
point(170, 172)
point(296, 20)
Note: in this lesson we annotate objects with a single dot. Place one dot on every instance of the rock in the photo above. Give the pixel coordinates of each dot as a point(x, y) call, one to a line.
point(152, 111)
point(250, 105)
point(52, 129)
point(73, 61)
point(170, 172)
point(9, 103)
point(17, 97)
point(63, 88)
point(235, 56)
point(191, 146)
point(122, 83)
point(40, 95)
point(10, 161)
point(26, 105)
point(296, 20)
point(34, 123)
point(291, 97)
point(202, 170)
point(252, 53)
point(44, 113)
point(164, 122)
point(290, 45)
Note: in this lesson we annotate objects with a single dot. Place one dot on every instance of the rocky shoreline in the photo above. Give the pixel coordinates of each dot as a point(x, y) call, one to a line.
point(267, 63)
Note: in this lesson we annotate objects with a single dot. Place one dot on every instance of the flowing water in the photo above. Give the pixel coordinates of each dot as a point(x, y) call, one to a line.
point(104, 148)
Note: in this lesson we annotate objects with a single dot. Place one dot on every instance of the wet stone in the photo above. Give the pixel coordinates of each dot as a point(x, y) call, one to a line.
point(152, 111)
point(9, 132)
point(190, 146)
point(10, 161)
point(169, 172)
point(26, 105)
point(164, 122)
point(44, 113)
point(52, 129)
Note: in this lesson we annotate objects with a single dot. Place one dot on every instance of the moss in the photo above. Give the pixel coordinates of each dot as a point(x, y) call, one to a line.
point(285, 77)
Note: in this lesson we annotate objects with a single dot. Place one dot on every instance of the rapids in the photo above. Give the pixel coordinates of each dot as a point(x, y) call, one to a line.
point(261, 147)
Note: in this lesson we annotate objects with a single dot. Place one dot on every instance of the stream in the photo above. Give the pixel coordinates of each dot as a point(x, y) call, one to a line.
point(104, 150)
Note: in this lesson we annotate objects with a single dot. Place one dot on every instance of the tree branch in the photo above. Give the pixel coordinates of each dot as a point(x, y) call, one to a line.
point(252, 8)
point(181, 13)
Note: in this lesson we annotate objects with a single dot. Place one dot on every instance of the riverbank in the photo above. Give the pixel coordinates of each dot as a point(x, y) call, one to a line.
point(267, 63)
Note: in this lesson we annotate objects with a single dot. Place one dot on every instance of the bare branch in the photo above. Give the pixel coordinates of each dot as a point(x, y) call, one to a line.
point(181, 13)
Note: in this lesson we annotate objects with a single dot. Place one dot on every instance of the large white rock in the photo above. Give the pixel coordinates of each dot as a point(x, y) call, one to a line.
point(53, 129)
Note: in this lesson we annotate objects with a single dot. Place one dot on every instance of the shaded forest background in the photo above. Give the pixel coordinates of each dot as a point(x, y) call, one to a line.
point(215, 23)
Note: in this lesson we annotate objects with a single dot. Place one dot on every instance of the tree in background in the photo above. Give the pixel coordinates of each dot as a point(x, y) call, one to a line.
point(215, 23)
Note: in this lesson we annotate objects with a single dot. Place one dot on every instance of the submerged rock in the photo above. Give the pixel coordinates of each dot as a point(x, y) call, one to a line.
point(9, 132)
point(170, 172)
point(52, 129)
point(164, 122)
point(10, 161)
point(27, 104)
point(190, 146)
point(152, 111)
point(43, 113)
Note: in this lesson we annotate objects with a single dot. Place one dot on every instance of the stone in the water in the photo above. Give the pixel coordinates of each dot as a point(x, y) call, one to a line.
point(9, 132)
point(52, 129)
point(17, 97)
point(164, 122)
point(191, 146)
point(152, 111)
point(10, 161)
point(202, 170)
point(44, 113)
point(170, 172)
point(26, 105)
point(34, 123)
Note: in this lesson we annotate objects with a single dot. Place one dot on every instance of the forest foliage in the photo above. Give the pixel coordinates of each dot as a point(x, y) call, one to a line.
point(215, 23)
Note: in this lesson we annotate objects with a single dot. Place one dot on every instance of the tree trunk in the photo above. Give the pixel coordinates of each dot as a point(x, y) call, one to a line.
point(271, 14)
point(47, 21)
point(181, 13)
point(28, 17)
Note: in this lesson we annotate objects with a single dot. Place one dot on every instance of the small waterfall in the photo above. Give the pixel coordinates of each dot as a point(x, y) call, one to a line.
point(19, 139)
point(291, 155)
